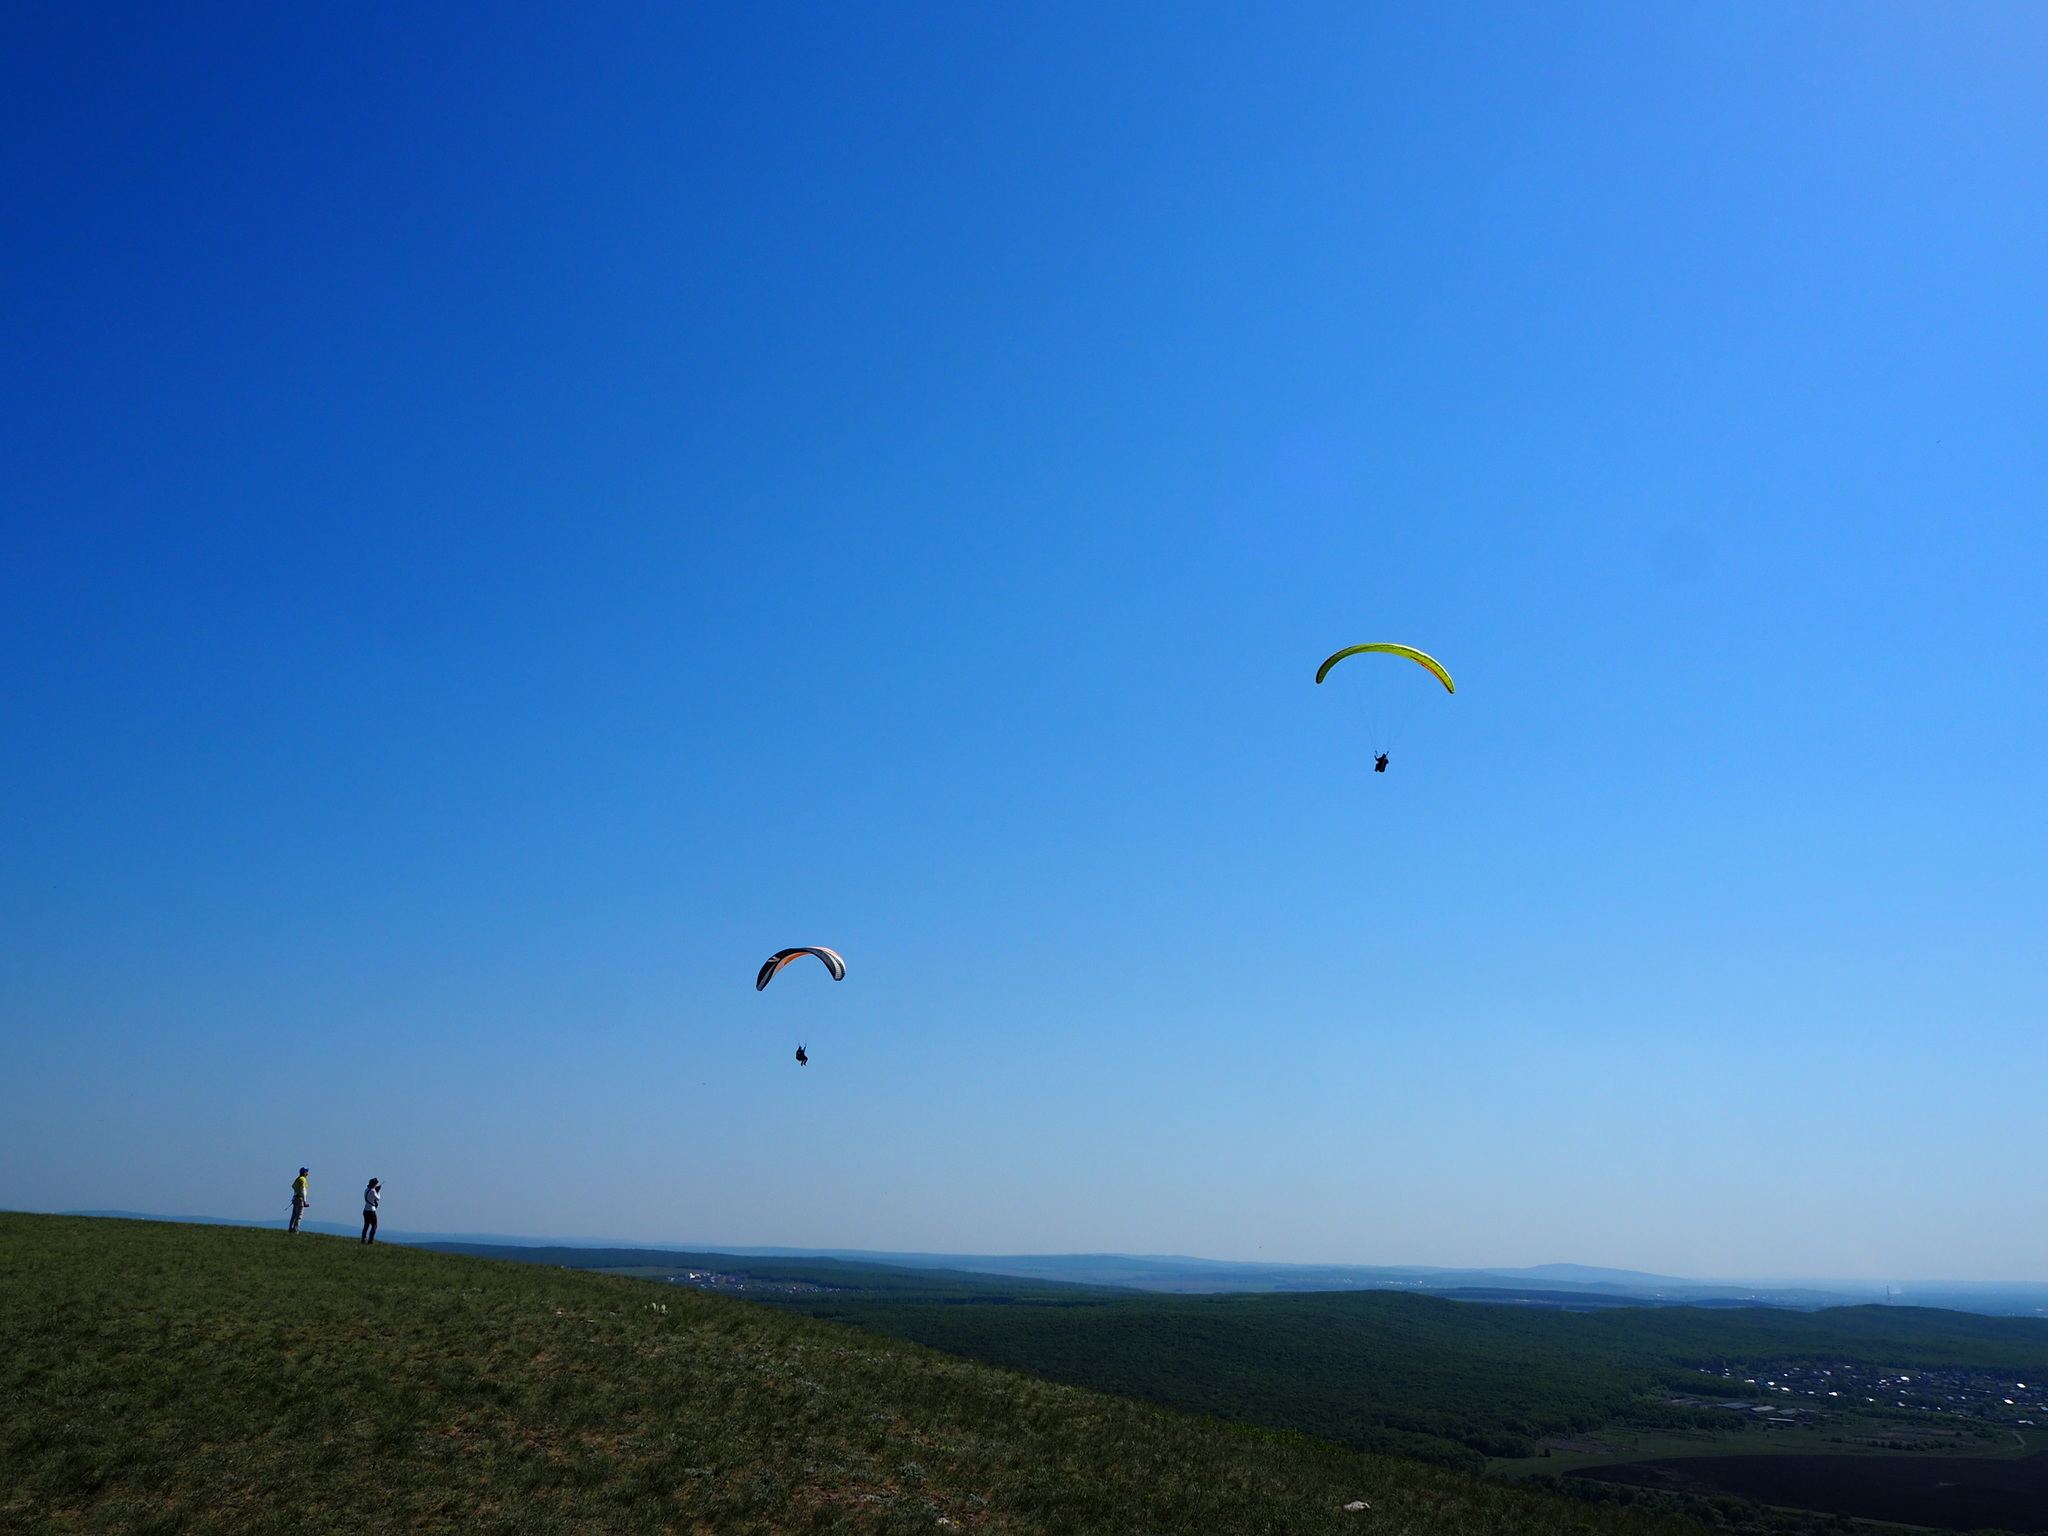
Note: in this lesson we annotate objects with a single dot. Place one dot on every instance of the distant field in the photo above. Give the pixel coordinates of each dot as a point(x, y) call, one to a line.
point(159, 1378)
point(1947, 1492)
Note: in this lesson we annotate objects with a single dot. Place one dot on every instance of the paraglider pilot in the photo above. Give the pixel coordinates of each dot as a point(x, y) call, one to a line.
point(801, 1059)
point(1379, 764)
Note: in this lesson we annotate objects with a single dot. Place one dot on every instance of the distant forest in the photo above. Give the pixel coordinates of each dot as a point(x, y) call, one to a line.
point(1448, 1381)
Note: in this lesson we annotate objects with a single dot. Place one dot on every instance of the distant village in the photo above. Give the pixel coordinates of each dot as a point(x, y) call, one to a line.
point(1828, 1390)
point(736, 1285)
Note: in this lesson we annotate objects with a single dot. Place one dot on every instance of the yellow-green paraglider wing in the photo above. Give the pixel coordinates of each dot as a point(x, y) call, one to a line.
point(1420, 658)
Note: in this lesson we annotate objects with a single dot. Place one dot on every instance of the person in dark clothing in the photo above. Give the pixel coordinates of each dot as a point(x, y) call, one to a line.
point(373, 1196)
point(801, 1059)
point(1379, 764)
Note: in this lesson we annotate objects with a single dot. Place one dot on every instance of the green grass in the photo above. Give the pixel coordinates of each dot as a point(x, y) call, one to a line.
point(158, 1378)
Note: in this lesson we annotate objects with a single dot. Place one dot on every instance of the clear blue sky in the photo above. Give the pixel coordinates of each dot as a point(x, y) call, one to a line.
point(509, 515)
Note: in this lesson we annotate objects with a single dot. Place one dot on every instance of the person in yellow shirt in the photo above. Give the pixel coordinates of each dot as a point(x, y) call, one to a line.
point(299, 1200)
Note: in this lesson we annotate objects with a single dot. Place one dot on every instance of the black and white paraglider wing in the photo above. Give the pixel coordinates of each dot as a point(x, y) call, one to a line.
point(782, 957)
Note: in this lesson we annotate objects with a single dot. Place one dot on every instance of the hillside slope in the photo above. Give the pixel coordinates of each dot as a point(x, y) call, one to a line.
point(159, 1378)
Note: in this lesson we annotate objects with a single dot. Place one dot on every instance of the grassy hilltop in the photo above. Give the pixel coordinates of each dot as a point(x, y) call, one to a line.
point(162, 1378)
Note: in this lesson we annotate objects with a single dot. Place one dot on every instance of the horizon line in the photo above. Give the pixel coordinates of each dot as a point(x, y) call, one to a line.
point(1523, 1272)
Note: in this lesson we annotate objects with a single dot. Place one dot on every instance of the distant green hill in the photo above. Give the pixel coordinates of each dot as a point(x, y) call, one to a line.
point(1450, 1381)
point(160, 1378)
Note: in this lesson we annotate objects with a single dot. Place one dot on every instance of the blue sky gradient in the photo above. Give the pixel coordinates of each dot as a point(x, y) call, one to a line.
point(509, 515)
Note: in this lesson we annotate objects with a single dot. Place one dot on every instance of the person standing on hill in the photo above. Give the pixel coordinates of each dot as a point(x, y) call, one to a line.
point(373, 1195)
point(299, 1200)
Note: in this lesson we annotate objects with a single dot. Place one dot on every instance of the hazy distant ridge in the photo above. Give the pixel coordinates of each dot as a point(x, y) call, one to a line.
point(1175, 1272)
